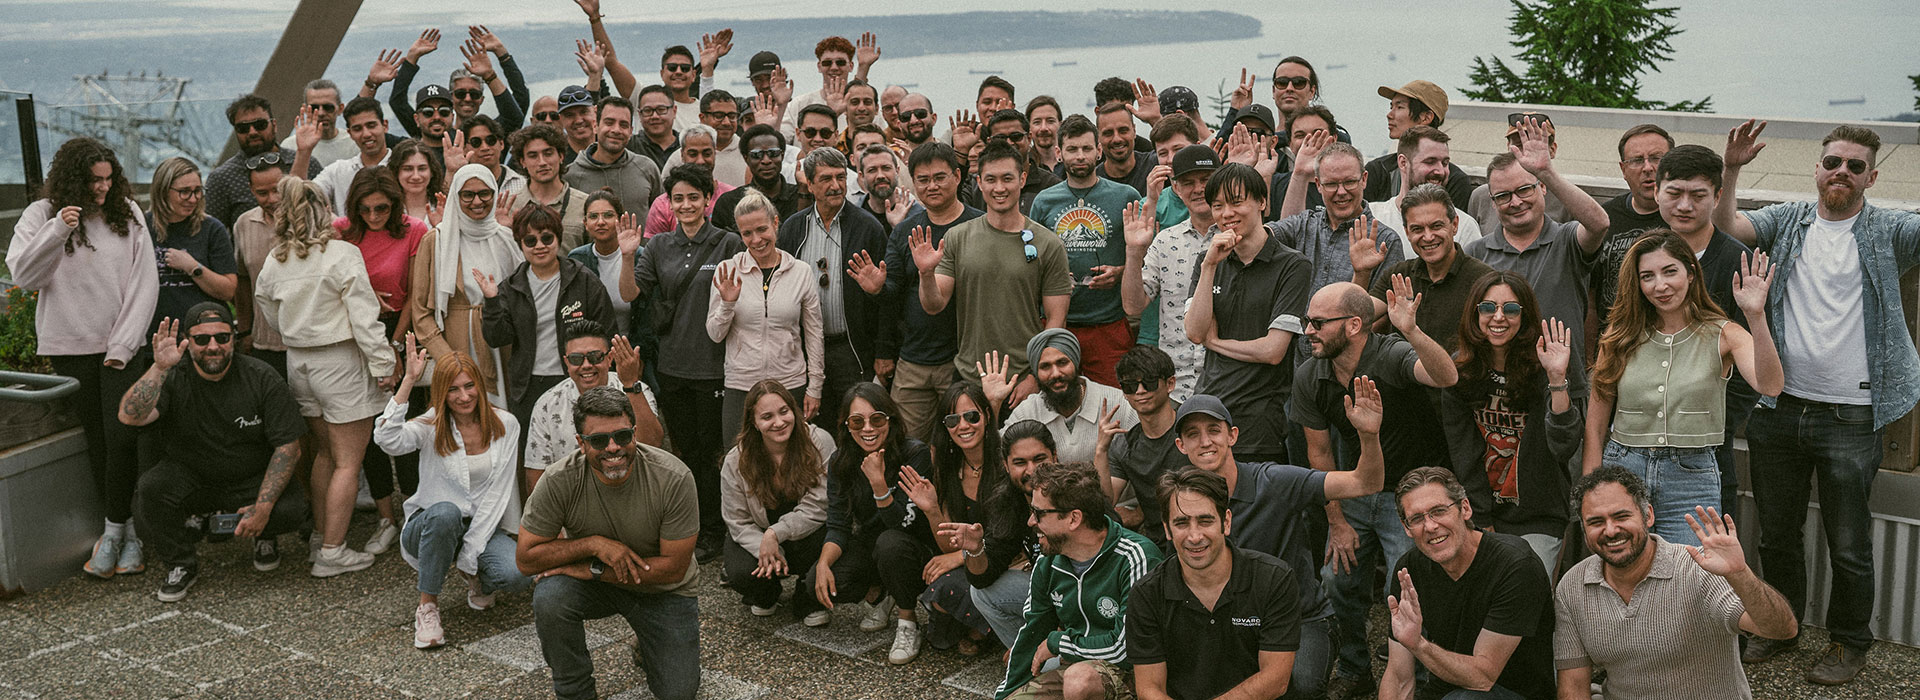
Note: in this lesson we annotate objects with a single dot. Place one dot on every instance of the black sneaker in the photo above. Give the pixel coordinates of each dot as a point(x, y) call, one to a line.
point(179, 579)
point(266, 553)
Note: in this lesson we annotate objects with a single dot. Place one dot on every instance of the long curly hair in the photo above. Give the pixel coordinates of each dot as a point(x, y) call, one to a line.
point(950, 462)
point(1474, 353)
point(445, 370)
point(170, 170)
point(1633, 316)
point(799, 467)
point(69, 184)
point(370, 181)
point(305, 222)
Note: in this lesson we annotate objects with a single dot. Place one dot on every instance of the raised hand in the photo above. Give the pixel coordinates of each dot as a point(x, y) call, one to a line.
point(1743, 143)
point(70, 216)
point(1750, 286)
point(1719, 552)
point(1146, 104)
point(1242, 146)
point(1555, 349)
point(505, 205)
point(1363, 244)
point(966, 537)
point(485, 282)
point(726, 279)
point(627, 364)
point(966, 130)
point(591, 7)
point(1242, 91)
point(1306, 158)
point(629, 233)
point(926, 253)
point(1535, 154)
point(898, 206)
point(167, 348)
point(428, 42)
point(871, 276)
point(1221, 246)
point(477, 61)
point(919, 490)
point(1364, 411)
point(866, 52)
point(487, 39)
point(1404, 612)
point(781, 86)
point(416, 361)
point(436, 208)
point(996, 376)
point(833, 91)
point(1140, 225)
point(1110, 427)
point(386, 67)
point(453, 150)
point(591, 58)
point(306, 130)
point(1157, 180)
point(1403, 305)
point(714, 47)
point(1268, 159)
point(763, 110)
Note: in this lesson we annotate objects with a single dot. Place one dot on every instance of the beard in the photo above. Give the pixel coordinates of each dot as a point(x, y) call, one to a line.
point(1636, 547)
point(1081, 171)
point(881, 189)
point(1051, 544)
point(1330, 347)
point(1065, 401)
point(213, 362)
point(1840, 200)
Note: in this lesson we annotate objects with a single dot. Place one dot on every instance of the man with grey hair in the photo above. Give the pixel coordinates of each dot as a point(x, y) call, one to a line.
point(323, 97)
point(830, 236)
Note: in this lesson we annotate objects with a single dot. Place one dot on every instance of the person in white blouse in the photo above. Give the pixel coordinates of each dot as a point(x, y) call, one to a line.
point(468, 500)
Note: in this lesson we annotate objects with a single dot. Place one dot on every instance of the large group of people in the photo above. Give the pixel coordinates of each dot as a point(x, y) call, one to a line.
point(1161, 412)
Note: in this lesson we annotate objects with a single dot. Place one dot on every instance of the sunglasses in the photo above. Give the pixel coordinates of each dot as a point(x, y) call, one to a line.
point(1314, 324)
point(201, 339)
point(591, 357)
point(953, 420)
point(833, 63)
point(323, 106)
point(1128, 386)
point(915, 115)
point(1514, 118)
point(1039, 513)
point(1010, 137)
point(1521, 191)
point(825, 281)
point(475, 195)
point(859, 422)
point(765, 154)
point(547, 116)
point(469, 94)
point(440, 111)
point(677, 67)
point(814, 132)
point(488, 140)
point(263, 160)
point(252, 126)
point(1295, 83)
point(375, 208)
point(1511, 309)
point(600, 441)
point(1854, 165)
point(531, 241)
point(1026, 240)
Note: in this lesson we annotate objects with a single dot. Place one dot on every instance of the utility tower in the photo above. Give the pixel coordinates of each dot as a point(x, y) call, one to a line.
point(144, 118)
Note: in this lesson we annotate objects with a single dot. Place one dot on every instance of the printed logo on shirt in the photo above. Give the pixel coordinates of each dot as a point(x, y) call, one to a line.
point(1058, 599)
point(1246, 622)
point(244, 422)
point(1108, 607)
point(573, 311)
point(1082, 228)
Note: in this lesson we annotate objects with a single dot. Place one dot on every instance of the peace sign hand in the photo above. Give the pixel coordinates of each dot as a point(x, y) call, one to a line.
point(1242, 91)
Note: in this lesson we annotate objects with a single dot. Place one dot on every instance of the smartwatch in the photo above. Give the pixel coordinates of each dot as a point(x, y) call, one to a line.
point(595, 567)
point(197, 270)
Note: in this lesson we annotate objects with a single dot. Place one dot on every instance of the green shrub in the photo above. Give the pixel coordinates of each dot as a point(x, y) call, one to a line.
point(17, 342)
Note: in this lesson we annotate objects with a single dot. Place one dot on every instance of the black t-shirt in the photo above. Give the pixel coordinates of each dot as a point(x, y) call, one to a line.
point(1143, 163)
point(1141, 460)
point(1623, 228)
point(226, 430)
point(1505, 591)
point(1208, 652)
point(1410, 431)
point(912, 334)
point(212, 247)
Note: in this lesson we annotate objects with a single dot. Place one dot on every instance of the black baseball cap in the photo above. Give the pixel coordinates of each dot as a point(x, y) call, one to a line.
point(1261, 113)
point(1197, 157)
point(207, 312)
point(574, 96)
point(1201, 404)
point(1179, 99)
point(430, 93)
point(762, 63)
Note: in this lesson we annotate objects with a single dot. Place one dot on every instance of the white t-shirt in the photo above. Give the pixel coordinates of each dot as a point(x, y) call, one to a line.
point(1388, 214)
point(337, 177)
point(609, 271)
point(1823, 324)
point(546, 344)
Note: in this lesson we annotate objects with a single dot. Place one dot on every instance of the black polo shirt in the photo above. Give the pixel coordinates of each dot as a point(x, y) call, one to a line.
point(1143, 163)
point(643, 145)
point(1410, 434)
point(1208, 652)
point(1249, 299)
point(1442, 303)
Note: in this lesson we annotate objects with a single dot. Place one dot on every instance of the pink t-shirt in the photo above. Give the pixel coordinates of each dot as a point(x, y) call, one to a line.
point(660, 219)
point(389, 259)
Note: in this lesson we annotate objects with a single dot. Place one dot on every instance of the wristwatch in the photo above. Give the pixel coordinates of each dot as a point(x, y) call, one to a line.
point(635, 388)
point(197, 270)
point(595, 567)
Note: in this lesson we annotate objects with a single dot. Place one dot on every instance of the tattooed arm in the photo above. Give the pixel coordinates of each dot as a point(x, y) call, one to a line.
point(279, 472)
point(141, 404)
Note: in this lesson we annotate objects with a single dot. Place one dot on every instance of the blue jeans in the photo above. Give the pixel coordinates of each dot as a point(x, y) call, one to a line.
point(1376, 519)
point(433, 535)
point(1004, 604)
point(666, 627)
point(1740, 402)
point(1837, 447)
point(1311, 661)
point(1678, 478)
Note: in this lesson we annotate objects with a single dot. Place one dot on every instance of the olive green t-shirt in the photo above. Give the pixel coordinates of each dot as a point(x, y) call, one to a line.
point(997, 291)
point(656, 502)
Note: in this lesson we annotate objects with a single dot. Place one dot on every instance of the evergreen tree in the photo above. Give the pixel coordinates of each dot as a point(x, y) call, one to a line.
point(1582, 52)
point(1916, 90)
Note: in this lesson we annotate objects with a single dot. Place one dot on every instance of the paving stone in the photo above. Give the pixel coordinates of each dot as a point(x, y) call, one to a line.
point(88, 670)
point(520, 647)
point(321, 633)
point(841, 636)
point(980, 677)
point(22, 635)
point(223, 660)
point(301, 679)
point(714, 685)
point(162, 636)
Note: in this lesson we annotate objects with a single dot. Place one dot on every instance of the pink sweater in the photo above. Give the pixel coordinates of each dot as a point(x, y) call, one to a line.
point(96, 300)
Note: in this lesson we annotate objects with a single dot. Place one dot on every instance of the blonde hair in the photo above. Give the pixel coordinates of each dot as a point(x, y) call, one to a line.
point(170, 170)
point(305, 222)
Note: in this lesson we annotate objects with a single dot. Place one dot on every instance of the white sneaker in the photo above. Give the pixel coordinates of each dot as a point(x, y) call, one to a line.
point(817, 618)
point(426, 627)
point(906, 642)
point(334, 561)
point(131, 561)
point(760, 611)
point(878, 616)
point(106, 556)
point(475, 598)
point(384, 535)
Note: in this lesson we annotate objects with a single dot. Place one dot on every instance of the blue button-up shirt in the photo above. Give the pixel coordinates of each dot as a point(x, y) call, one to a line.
point(1889, 243)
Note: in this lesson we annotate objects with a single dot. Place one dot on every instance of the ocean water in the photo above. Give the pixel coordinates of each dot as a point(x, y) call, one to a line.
point(1786, 58)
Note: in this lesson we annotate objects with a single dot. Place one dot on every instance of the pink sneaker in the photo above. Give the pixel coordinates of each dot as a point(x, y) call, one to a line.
point(426, 627)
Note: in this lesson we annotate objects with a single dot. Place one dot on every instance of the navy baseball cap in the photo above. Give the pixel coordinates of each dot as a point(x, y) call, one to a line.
point(1201, 404)
point(762, 63)
point(430, 93)
point(1197, 157)
point(574, 96)
point(1179, 99)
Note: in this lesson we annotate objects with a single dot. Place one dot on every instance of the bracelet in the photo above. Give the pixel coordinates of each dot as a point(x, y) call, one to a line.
point(884, 496)
point(1562, 386)
point(370, 84)
point(964, 554)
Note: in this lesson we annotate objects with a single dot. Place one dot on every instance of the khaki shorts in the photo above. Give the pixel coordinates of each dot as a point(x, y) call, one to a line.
point(1117, 683)
point(331, 382)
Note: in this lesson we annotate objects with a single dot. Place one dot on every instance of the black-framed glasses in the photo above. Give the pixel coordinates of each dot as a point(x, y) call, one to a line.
point(953, 420)
point(825, 280)
point(1421, 518)
point(532, 240)
point(1039, 513)
point(475, 195)
point(440, 111)
point(1026, 239)
point(915, 114)
point(590, 357)
point(1511, 309)
point(547, 116)
point(721, 116)
point(765, 154)
point(201, 339)
point(264, 160)
point(600, 441)
point(1314, 324)
point(1854, 165)
point(323, 106)
point(1643, 161)
point(381, 208)
point(252, 126)
point(677, 67)
point(488, 140)
point(877, 419)
point(814, 132)
point(655, 111)
point(1295, 83)
point(1521, 191)
point(188, 192)
point(1128, 386)
point(469, 94)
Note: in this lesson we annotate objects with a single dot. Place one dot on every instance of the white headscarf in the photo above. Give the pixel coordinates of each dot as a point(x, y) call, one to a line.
point(463, 242)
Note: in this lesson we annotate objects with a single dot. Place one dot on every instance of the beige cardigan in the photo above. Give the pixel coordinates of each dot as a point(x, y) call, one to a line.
point(746, 516)
point(776, 334)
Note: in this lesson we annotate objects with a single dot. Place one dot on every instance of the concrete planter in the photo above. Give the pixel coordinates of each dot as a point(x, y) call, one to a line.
point(49, 513)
